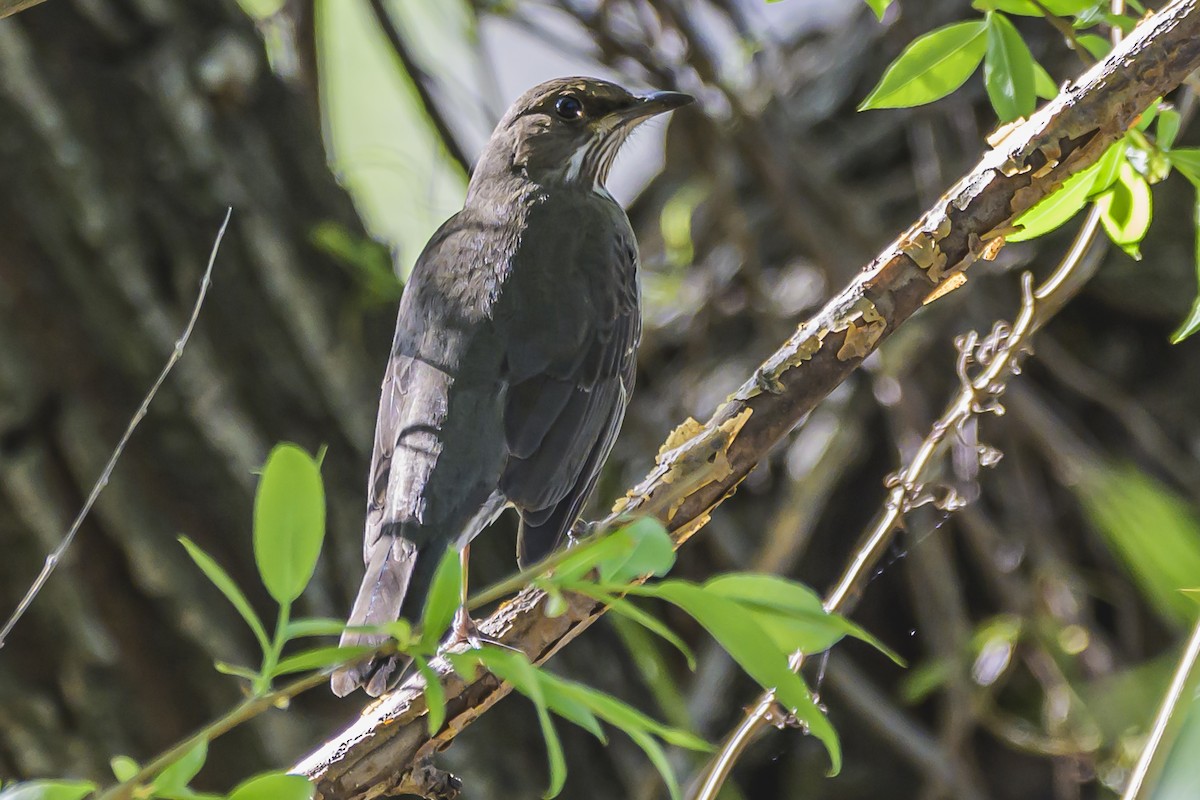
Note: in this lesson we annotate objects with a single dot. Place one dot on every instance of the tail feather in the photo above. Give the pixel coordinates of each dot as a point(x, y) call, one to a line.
point(397, 578)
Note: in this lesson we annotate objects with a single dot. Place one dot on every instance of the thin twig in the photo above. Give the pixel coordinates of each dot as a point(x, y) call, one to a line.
point(55, 557)
point(1166, 711)
point(10, 7)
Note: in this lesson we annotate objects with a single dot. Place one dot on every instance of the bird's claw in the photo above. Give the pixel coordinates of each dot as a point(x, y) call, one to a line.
point(464, 631)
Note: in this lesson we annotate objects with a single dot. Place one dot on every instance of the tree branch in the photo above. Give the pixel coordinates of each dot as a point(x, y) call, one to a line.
point(700, 465)
point(10, 7)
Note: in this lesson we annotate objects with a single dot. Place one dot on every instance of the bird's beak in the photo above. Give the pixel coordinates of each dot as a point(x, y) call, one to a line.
point(654, 103)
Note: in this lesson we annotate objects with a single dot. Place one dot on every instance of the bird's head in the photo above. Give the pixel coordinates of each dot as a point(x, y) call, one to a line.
point(567, 131)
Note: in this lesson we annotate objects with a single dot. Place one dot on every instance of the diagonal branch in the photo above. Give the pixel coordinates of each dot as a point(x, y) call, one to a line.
point(388, 750)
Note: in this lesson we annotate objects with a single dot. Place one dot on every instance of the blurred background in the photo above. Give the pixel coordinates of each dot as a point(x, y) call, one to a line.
point(1041, 622)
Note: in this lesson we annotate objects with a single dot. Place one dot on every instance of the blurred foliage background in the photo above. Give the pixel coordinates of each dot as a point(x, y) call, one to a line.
point(1041, 621)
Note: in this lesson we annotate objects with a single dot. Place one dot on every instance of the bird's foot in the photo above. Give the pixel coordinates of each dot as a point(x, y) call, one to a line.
point(464, 631)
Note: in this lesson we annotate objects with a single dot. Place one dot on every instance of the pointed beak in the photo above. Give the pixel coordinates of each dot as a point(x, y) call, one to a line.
point(654, 103)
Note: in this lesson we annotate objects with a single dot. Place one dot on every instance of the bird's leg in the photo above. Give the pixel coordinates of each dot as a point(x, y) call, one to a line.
point(464, 630)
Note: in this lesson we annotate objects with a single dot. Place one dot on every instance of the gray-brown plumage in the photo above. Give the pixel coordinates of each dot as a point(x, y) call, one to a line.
point(514, 353)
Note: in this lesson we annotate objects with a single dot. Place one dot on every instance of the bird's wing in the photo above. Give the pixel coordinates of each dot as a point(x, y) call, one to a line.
point(570, 382)
point(439, 443)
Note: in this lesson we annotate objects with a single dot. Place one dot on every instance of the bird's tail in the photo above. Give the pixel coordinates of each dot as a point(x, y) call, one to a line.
point(397, 571)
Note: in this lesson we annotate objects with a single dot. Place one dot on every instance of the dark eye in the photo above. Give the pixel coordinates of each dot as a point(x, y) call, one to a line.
point(568, 107)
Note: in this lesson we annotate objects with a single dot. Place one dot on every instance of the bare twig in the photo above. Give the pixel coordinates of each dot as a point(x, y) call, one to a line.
point(55, 557)
point(10, 7)
point(1166, 712)
point(702, 464)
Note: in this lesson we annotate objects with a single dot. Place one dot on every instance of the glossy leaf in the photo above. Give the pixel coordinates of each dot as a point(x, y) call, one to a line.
point(879, 7)
point(1187, 161)
point(1168, 128)
point(289, 521)
point(650, 551)
point(1008, 70)
point(175, 778)
point(1126, 210)
point(791, 613)
point(1192, 323)
point(1027, 8)
point(445, 595)
point(930, 68)
point(1043, 85)
point(1097, 46)
point(435, 695)
point(756, 652)
point(220, 578)
point(48, 790)
point(274, 786)
point(1069, 198)
point(124, 768)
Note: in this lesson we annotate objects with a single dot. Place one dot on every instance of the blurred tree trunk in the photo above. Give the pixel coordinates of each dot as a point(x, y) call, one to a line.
point(125, 131)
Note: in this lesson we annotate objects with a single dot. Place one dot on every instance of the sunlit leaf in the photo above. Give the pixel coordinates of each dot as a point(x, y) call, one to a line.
point(1027, 8)
point(220, 578)
point(48, 790)
point(1168, 128)
point(1008, 70)
point(274, 786)
point(314, 626)
point(445, 595)
point(238, 672)
point(289, 521)
point(1154, 531)
point(650, 552)
point(435, 695)
point(651, 623)
point(756, 652)
point(1187, 161)
point(1126, 210)
point(879, 7)
point(1043, 85)
point(177, 775)
point(1097, 46)
point(931, 67)
point(124, 768)
point(1069, 198)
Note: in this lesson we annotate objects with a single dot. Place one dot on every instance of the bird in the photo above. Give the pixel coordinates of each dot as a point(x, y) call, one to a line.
point(513, 359)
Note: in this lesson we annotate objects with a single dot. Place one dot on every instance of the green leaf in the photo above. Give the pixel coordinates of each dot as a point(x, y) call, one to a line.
point(791, 613)
point(124, 768)
point(48, 790)
point(1168, 128)
point(175, 778)
point(650, 552)
point(1192, 323)
point(274, 786)
point(445, 595)
point(289, 521)
point(1097, 46)
point(1154, 531)
point(1008, 70)
point(238, 672)
point(1026, 8)
point(1126, 210)
point(651, 623)
point(1187, 161)
point(319, 658)
point(931, 67)
point(435, 695)
point(627, 718)
point(755, 651)
point(515, 669)
point(879, 7)
point(658, 758)
point(313, 626)
point(220, 578)
point(1066, 201)
point(1043, 85)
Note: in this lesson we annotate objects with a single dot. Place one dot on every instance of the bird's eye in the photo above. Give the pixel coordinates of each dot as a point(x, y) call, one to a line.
point(568, 107)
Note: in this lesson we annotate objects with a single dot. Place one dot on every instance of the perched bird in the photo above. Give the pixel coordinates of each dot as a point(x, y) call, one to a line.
point(513, 358)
